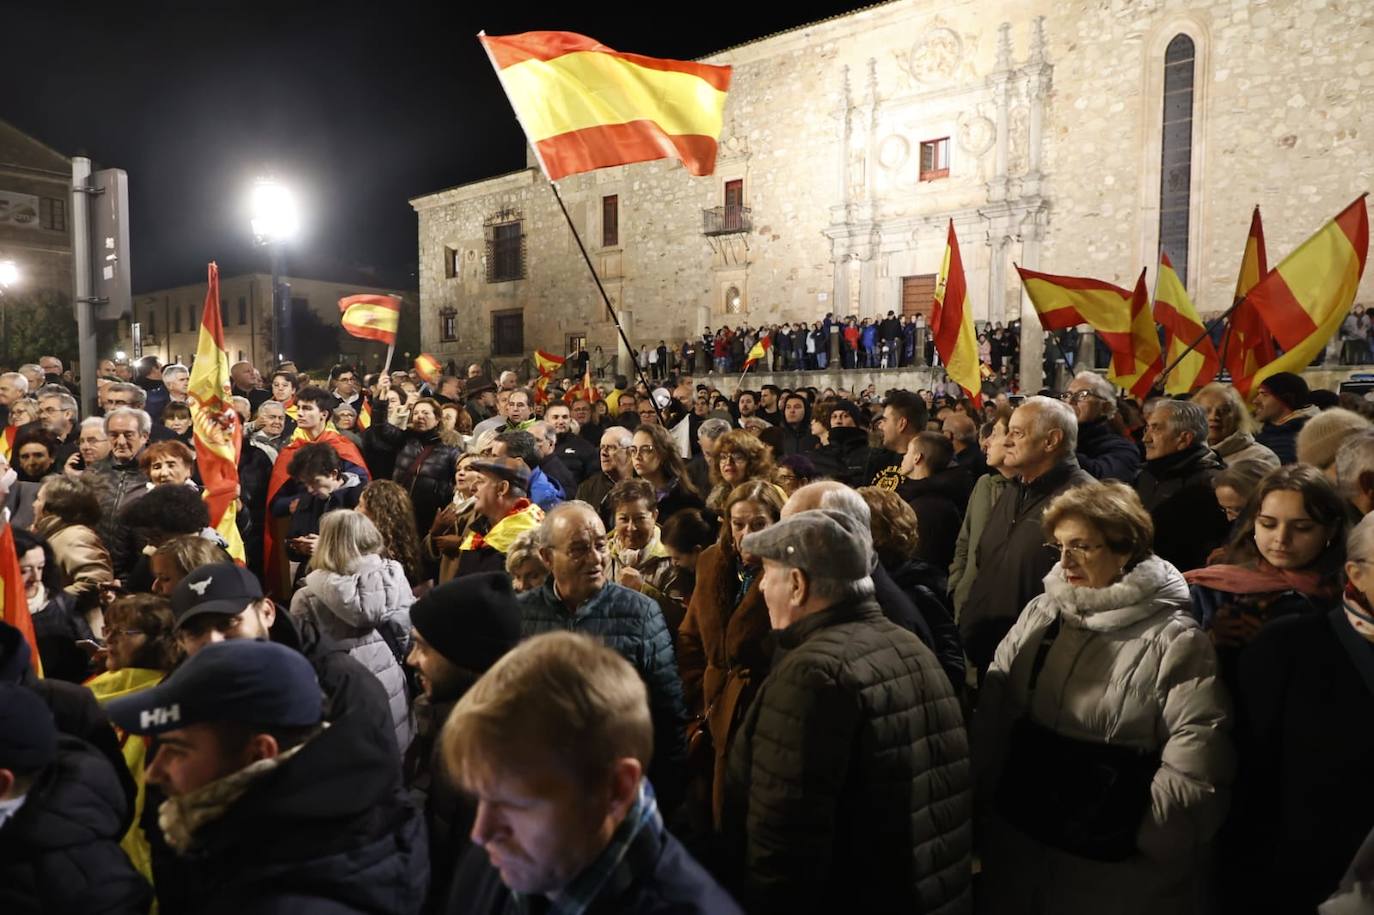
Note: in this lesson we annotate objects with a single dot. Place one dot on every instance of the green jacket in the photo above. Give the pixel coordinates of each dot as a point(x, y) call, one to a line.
point(965, 566)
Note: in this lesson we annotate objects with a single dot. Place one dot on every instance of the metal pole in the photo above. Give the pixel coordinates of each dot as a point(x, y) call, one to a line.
point(281, 330)
point(81, 269)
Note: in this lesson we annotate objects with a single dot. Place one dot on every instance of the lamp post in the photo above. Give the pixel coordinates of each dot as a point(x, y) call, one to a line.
point(275, 221)
point(9, 275)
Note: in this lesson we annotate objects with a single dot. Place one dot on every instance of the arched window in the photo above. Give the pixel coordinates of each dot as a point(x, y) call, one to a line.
point(1176, 166)
point(733, 304)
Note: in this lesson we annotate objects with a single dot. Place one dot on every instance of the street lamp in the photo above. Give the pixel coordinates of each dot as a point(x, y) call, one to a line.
point(9, 276)
point(9, 273)
point(275, 221)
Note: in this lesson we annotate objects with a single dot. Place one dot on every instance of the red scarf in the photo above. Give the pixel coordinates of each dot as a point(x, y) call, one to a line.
point(1263, 578)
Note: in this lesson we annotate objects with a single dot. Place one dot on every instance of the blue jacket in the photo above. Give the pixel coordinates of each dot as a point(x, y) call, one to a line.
point(633, 625)
point(544, 490)
point(868, 335)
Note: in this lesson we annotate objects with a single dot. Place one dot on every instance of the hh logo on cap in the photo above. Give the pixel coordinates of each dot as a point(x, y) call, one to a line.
point(157, 717)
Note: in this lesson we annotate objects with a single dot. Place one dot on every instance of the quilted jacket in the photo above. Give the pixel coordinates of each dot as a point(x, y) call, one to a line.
point(633, 625)
point(1129, 667)
point(848, 787)
point(351, 609)
point(424, 465)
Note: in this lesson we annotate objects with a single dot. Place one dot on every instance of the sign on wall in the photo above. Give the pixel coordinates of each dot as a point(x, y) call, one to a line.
point(18, 210)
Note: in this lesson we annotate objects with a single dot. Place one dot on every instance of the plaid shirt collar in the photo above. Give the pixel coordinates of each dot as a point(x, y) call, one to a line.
point(632, 851)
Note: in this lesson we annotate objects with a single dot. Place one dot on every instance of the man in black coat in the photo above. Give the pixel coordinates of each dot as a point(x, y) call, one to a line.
point(577, 453)
point(848, 456)
point(267, 809)
point(1283, 403)
point(795, 428)
point(1102, 451)
point(1176, 485)
point(62, 814)
point(937, 491)
point(587, 426)
point(1012, 558)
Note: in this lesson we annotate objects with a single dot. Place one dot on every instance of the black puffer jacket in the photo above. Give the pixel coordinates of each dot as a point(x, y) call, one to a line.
point(849, 459)
point(1106, 454)
point(328, 831)
point(925, 586)
point(424, 465)
point(848, 788)
point(580, 456)
point(60, 852)
point(1177, 492)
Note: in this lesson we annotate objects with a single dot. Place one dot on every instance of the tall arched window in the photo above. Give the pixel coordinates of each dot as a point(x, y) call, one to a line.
point(1176, 172)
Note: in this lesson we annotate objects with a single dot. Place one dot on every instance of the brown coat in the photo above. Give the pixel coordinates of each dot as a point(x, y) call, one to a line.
point(445, 534)
point(723, 654)
point(83, 559)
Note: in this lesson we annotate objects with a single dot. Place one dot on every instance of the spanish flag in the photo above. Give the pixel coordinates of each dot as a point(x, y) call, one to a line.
point(584, 106)
point(215, 423)
point(365, 414)
point(428, 368)
point(547, 363)
point(371, 317)
point(1175, 313)
point(1247, 344)
point(1304, 299)
point(759, 350)
point(14, 605)
point(951, 322)
point(1121, 319)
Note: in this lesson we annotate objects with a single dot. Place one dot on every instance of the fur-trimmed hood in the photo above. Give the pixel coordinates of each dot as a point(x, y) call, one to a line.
point(1154, 586)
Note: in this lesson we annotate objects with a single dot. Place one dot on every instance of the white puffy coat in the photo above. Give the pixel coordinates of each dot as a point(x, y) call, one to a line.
point(350, 608)
point(1130, 666)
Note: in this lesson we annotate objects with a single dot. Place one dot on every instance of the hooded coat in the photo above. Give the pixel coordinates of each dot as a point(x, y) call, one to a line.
point(350, 611)
point(1241, 446)
point(60, 851)
point(1129, 667)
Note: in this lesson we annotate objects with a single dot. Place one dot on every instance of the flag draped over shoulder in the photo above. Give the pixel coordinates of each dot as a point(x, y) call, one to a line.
point(14, 605)
point(1304, 299)
point(951, 322)
point(218, 434)
point(1247, 345)
point(1121, 319)
point(371, 317)
point(584, 106)
point(759, 350)
point(1175, 313)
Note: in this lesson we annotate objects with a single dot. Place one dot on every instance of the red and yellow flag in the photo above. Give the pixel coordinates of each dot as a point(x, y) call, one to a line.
point(365, 414)
point(1247, 345)
point(371, 317)
point(584, 106)
point(218, 433)
point(1304, 299)
point(951, 323)
point(758, 350)
point(546, 364)
point(1174, 312)
point(1121, 319)
point(428, 368)
point(14, 605)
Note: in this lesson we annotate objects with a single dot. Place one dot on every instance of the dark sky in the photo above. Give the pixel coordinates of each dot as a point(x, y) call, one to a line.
point(358, 106)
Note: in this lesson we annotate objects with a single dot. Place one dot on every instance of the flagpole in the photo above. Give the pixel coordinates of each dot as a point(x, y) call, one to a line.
point(1206, 332)
point(639, 369)
point(390, 351)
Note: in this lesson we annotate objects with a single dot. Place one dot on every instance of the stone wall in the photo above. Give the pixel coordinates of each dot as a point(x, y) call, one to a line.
point(1053, 112)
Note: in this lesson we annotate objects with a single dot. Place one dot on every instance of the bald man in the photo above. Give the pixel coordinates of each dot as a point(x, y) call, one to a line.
point(915, 606)
point(962, 433)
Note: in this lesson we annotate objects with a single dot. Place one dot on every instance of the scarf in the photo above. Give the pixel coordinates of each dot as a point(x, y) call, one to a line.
point(1263, 578)
point(654, 549)
point(523, 516)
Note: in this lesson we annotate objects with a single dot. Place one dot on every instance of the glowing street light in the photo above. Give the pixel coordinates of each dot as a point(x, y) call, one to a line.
point(121, 356)
point(275, 221)
point(9, 273)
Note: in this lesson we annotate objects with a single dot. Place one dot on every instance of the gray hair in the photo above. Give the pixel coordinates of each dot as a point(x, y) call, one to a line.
point(544, 535)
point(64, 399)
point(242, 405)
point(145, 422)
point(174, 369)
point(623, 435)
point(32, 367)
point(1359, 543)
point(838, 590)
point(275, 404)
point(18, 380)
point(1245, 421)
point(545, 431)
point(91, 422)
point(1051, 414)
point(713, 429)
point(849, 502)
point(1100, 387)
point(1354, 459)
point(1185, 416)
point(127, 387)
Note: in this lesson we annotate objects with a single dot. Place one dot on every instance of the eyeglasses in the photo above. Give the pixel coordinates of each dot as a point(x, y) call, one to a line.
point(645, 450)
point(732, 457)
point(1080, 396)
point(1078, 552)
point(124, 634)
point(612, 449)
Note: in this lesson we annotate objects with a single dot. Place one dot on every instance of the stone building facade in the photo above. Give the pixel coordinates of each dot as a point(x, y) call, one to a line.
point(35, 197)
point(1074, 137)
point(169, 320)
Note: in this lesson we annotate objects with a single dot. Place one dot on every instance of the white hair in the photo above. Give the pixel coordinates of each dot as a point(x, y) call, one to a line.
point(849, 502)
point(1185, 416)
point(18, 380)
point(92, 422)
point(1054, 414)
point(1354, 459)
point(175, 369)
point(1100, 387)
point(145, 422)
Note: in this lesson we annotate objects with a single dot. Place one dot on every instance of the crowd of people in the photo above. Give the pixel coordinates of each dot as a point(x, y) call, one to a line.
point(494, 648)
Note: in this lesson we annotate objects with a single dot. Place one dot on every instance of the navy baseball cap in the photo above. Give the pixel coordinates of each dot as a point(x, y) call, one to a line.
point(220, 587)
point(241, 680)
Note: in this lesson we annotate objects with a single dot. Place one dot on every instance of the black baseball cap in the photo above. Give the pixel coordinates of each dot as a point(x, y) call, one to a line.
point(243, 680)
point(221, 587)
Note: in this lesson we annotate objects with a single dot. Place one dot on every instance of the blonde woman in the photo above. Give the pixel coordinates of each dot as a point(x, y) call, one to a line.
point(360, 599)
point(526, 570)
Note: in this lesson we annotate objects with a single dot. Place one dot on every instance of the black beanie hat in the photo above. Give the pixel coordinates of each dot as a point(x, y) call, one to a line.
point(28, 736)
point(1289, 388)
point(471, 621)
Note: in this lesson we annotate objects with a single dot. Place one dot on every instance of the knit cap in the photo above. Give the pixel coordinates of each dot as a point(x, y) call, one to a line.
point(1287, 387)
point(472, 621)
point(1321, 436)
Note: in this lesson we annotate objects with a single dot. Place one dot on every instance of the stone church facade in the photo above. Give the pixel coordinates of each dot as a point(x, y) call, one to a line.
point(1074, 137)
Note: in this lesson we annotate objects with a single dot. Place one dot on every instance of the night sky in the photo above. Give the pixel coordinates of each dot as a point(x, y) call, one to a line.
point(357, 106)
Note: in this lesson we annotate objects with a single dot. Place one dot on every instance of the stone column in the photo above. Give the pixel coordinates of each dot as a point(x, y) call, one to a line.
point(1032, 334)
point(625, 363)
point(997, 277)
point(1037, 85)
point(1001, 93)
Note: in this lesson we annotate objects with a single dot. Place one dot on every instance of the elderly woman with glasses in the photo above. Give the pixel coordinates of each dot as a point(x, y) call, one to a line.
point(1230, 427)
point(740, 457)
point(655, 459)
point(639, 559)
point(1101, 733)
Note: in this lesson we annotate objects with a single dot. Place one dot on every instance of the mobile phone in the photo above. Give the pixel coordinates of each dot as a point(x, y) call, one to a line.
point(79, 463)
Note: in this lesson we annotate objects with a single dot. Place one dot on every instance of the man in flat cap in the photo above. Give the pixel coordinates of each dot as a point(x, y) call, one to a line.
point(848, 786)
point(503, 512)
point(269, 808)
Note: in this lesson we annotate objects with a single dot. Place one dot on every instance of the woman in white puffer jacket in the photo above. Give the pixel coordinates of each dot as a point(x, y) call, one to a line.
point(354, 593)
point(1101, 742)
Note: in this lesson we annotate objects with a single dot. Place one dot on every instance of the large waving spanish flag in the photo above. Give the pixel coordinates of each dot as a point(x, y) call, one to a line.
point(371, 317)
point(1304, 299)
point(1182, 325)
point(1121, 319)
point(758, 350)
point(584, 106)
point(215, 422)
point(1247, 345)
point(951, 321)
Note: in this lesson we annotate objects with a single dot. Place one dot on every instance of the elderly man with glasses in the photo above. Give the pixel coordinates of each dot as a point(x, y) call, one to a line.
point(1102, 451)
point(616, 466)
